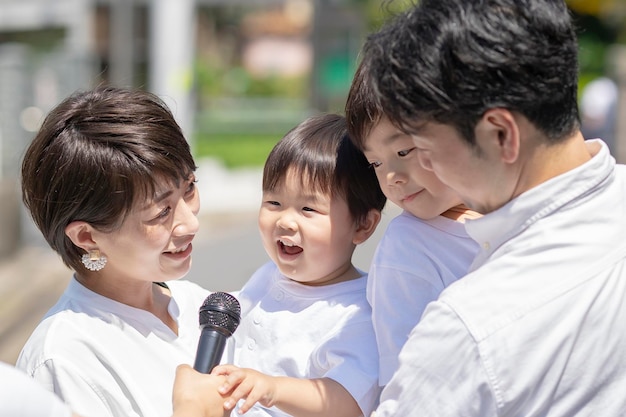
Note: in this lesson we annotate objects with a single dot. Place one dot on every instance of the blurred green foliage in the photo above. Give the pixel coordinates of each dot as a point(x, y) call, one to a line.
point(216, 81)
point(235, 150)
point(596, 35)
point(42, 40)
point(377, 12)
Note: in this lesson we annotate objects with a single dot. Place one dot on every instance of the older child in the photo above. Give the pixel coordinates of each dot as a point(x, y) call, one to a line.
point(305, 318)
point(425, 248)
point(109, 180)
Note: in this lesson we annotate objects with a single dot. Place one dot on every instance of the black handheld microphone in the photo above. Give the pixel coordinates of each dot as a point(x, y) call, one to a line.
point(219, 317)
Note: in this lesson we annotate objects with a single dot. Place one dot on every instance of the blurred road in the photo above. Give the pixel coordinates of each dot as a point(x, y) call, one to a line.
point(227, 250)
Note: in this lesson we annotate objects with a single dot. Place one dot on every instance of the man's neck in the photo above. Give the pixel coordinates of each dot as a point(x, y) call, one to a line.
point(546, 161)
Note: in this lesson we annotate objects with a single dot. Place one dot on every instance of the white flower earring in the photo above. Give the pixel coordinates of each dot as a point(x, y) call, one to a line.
point(93, 260)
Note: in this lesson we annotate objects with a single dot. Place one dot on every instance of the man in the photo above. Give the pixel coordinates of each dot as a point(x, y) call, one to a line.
point(488, 90)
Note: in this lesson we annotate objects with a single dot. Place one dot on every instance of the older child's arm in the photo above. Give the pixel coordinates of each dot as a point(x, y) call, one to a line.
point(298, 397)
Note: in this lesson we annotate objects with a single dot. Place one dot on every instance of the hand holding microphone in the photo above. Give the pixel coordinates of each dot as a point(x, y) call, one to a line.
point(219, 317)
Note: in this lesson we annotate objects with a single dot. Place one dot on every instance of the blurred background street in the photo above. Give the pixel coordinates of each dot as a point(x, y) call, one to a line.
point(237, 74)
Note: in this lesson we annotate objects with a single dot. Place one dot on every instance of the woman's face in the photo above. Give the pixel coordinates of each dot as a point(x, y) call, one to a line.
point(154, 242)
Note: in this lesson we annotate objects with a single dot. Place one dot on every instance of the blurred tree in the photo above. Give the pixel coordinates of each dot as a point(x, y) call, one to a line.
point(377, 12)
point(596, 7)
point(601, 23)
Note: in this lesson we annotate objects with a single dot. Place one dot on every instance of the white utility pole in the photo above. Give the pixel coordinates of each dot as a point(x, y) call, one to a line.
point(172, 45)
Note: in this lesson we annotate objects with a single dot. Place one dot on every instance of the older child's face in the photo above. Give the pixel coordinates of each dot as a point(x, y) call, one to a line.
point(404, 181)
point(154, 242)
point(307, 234)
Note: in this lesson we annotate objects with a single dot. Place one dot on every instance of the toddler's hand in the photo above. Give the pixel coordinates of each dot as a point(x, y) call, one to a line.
point(245, 383)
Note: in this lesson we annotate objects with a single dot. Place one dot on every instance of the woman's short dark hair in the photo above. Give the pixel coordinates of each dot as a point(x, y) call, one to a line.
point(98, 153)
point(319, 151)
point(450, 61)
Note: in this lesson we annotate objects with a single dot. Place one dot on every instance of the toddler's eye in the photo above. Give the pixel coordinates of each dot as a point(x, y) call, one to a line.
point(375, 164)
point(405, 152)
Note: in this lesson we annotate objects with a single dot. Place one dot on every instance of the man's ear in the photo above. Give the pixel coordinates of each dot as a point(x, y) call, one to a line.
point(366, 227)
point(80, 233)
point(498, 133)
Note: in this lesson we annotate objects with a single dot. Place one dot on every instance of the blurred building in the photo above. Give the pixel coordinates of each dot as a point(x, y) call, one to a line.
point(245, 64)
point(45, 53)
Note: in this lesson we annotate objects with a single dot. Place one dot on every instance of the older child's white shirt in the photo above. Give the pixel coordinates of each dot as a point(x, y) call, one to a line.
point(414, 261)
point(107, 359)
point(290, 329)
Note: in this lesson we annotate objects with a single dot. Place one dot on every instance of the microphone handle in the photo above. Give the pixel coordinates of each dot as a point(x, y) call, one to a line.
point(210, 350)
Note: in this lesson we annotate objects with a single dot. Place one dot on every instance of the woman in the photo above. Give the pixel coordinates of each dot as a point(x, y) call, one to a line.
point(109, 180)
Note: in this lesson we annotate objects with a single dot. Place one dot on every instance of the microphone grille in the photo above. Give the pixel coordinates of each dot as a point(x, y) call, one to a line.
point(222, 311)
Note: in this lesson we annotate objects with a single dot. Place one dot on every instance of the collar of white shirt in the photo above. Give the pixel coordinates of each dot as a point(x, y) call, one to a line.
point(497, 227)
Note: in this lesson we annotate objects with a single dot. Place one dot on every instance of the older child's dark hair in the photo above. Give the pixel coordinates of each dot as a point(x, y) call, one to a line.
point(319, 151)
point(363, 109)
point(450, 61)
point(96, 154)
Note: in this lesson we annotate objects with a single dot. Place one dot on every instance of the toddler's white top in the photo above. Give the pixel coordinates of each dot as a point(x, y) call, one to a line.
point(295, 330)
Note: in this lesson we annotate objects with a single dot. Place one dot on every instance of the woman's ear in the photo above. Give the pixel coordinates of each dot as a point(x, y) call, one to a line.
point(80, 233)
point(366, 227)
